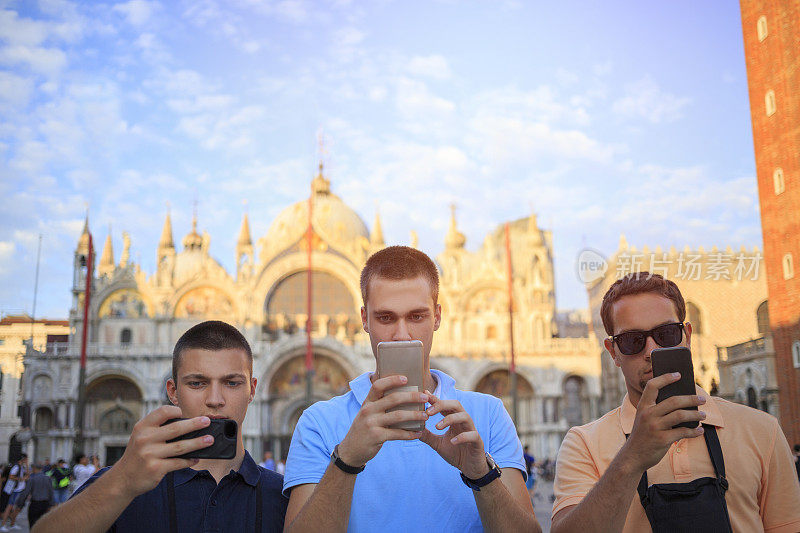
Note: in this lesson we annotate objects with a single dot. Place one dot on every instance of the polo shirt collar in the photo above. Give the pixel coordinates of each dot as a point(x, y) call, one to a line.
point(627, 413)
point(248, 470)
point(361, 385)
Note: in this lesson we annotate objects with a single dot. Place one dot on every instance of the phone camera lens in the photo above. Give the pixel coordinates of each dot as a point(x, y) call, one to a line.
point(230, 429)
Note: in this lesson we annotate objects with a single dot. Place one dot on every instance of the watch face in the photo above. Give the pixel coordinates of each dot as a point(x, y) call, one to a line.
point(490, 460)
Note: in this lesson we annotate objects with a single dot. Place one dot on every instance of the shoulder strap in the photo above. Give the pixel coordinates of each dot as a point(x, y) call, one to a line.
point(173, 516)
point(715, 451)
point(259, 505)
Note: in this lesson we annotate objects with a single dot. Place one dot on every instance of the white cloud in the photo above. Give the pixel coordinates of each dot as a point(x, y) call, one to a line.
point(15, 91)
point(645, 99)
point(137, 12)
point(414, 99)
point(6, 256)
point(47, 61)
point(434, 67)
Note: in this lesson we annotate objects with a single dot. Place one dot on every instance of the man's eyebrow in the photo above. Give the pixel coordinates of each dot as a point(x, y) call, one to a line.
point(204, 377)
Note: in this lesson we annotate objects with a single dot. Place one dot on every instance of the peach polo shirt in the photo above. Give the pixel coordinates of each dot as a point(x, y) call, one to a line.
point(764, 493)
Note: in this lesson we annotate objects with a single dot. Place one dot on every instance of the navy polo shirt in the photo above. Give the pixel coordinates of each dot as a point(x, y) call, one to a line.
point(202, 505)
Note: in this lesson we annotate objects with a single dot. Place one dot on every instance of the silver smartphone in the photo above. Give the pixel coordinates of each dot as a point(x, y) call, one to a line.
point(404, 358)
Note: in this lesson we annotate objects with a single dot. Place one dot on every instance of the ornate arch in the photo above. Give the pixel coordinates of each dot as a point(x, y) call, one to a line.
point(111, 371)
point(298, 351)
point(225, 289)
point(126, 284)
point(293, 263)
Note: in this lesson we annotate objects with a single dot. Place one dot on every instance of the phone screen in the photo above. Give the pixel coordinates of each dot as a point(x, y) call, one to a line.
point(677, 359)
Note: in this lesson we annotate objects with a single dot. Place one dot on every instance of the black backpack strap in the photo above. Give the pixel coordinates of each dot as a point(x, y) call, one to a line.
point(259, 505)
point(173, 516)
point(715, 451)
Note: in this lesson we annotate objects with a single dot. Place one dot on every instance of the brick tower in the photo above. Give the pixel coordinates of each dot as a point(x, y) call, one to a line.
point(772, 54)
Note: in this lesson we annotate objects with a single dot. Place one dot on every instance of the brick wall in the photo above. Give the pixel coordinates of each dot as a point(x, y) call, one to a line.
point(772, 56)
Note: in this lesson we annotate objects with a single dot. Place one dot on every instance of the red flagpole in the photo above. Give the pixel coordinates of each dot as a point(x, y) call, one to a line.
point(309, 289)
point(512, 370)
point(81, 407)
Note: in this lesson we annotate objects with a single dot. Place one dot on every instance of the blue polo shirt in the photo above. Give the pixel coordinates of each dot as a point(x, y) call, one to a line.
point(407, 486)
point(202, 505)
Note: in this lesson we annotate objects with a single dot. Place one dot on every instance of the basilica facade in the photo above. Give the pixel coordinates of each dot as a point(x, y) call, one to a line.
point(135, 319)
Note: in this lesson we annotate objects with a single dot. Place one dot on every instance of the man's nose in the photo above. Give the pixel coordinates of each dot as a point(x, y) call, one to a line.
point(214, 396)
point(401, 332)
point(649, 346)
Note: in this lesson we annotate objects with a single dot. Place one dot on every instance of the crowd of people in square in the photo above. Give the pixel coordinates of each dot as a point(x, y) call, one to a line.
point(685, 462)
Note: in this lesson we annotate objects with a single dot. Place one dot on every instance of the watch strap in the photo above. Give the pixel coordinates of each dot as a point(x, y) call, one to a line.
point(476, 484)
point(344, 467)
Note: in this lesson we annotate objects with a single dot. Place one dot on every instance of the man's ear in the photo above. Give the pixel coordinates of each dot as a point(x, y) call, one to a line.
point(253, 383)
point(687, 328)
point(437, 316)
point(172, 392)
point(608, 342)
point(364, 322)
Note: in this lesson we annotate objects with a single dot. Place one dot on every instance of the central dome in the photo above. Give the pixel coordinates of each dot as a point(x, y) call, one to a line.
point(332, 220)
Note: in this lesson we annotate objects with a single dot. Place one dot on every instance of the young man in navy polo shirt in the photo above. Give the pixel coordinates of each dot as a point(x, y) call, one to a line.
point(148, 490)
point(349, 470)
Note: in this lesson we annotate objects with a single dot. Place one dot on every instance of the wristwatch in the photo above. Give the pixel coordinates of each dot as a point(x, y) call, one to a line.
point(344, 467)
point(494, 473)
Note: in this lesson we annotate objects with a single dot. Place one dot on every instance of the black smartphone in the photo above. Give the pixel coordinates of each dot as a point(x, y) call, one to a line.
point(224, 431)
point(677, 359)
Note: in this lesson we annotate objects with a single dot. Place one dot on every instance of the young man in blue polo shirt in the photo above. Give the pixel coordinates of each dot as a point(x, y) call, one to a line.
point(149, 490)
point(348, 470)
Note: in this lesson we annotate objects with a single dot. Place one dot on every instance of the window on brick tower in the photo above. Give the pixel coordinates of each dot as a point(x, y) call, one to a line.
point(762, 318)
point(769, 102)
point(788, 267)
point(796, 354)
point(777, 177)
point(761, 27)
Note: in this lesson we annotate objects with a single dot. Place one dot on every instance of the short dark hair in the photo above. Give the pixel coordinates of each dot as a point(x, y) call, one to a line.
point(79, 456)
point(637, 283)
point(210, 335)
point(397, 263)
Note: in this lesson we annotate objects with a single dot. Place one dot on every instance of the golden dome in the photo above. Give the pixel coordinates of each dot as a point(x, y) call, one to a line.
point(332, 220)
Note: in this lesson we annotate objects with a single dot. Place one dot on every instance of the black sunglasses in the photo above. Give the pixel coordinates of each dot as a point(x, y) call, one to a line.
point(665, 335)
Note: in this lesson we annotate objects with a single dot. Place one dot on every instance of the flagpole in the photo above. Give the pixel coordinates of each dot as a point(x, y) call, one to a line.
point(512, 369)
point(79, 415)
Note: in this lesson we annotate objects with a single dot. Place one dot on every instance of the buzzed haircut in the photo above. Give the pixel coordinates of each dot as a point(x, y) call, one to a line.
point(399, 263)
point(637, 283)
point(212, 335)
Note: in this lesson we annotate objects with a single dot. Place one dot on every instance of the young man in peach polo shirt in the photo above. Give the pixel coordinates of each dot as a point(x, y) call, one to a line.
point(599, 468)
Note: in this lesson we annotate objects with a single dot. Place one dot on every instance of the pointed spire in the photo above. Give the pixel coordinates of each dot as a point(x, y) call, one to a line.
point(244, 233)
point(193, 240)
point(320, 184)
point(83, 241)
point(106, 266)
point(623, 243)
point(376, 237)
point(166, 234)
point(454, 238)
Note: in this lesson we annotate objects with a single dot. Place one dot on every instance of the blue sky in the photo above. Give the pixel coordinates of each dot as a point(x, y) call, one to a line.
point(602, 117)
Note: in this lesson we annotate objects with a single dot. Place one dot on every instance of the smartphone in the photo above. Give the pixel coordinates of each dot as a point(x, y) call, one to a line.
point(403, 358)
point(224, 431)
point(677, 359)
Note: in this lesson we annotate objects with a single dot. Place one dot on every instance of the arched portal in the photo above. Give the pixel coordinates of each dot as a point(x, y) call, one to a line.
point(113, 405)
point(498, 383)
point(287, 395)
